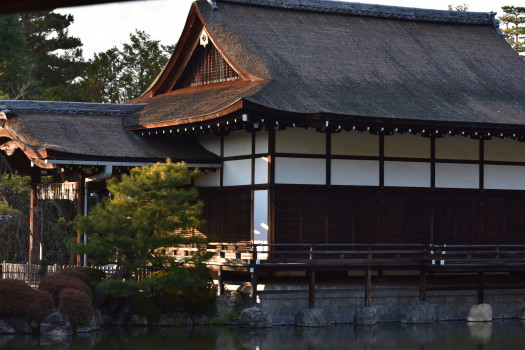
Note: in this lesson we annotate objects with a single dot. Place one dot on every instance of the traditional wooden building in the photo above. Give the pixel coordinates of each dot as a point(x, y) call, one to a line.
point(319, 121)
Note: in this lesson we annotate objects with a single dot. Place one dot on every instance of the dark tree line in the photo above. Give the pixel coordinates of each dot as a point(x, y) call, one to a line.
point(39, 60)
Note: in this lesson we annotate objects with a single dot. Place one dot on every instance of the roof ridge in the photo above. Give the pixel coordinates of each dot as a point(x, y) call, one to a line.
point(383, 11)
point(68, 108)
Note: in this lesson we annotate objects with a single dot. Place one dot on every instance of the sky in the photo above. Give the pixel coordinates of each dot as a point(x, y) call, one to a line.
point(100, 27)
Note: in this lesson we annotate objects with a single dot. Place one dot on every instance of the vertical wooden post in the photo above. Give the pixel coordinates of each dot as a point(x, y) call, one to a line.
point(34, 221)
point(253, 275)
point(422, 285)
point(80, 211)
point(368, 287)
point(481, 287)
point(220, 281)
point(311, 288)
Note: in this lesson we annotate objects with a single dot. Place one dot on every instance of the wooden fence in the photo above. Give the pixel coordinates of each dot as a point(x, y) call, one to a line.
point(30, 273)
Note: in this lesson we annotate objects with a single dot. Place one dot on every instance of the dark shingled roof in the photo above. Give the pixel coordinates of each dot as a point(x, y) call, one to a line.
point(363, 61)
point(85, 131)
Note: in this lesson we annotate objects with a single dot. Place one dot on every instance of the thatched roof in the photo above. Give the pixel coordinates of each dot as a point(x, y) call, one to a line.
point(84, 131)
point(356, 61)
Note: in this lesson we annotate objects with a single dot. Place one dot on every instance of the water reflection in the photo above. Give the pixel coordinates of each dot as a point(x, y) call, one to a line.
point(506, 335)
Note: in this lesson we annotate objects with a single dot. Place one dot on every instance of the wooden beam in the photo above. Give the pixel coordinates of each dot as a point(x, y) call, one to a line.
point(34, 220)
point(311, 288)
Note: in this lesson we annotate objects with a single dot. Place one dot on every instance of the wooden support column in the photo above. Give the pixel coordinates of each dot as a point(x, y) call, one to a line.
point(422, 285)
point(311, 288)
point(80, 211)
point(481, 287)
point(368, 286)
point(34, 220)
point(253, 275)
point(220, 281)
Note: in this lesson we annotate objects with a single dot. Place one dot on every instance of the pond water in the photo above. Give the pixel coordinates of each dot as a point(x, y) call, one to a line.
point(500, 335)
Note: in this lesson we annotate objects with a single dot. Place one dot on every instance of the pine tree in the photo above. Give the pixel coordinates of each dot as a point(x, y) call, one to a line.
point(150, 209)
point(513, 21)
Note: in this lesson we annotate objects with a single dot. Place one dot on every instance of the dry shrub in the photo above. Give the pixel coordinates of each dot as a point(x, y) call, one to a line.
point(76, 306)
point(40, 305)
point(54, 284)
point(17, 298)
point(14, 296)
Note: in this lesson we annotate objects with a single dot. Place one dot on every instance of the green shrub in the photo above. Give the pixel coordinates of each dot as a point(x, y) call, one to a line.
point(91, 276)
point(184, 290)
point(145, 306)
point(40, 305)
point(54, 284)
point(76, 306)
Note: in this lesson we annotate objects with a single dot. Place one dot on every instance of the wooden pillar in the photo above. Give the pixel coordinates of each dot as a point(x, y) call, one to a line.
point(34, 221)
point(220, 281)
point(368, 286)
point(481, 287)
point(77, 260)
point(311, 288)
point(422, 285)
point(253, 275)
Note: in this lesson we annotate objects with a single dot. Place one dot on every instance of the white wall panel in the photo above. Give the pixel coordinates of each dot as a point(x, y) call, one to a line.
point(457, 147)
point(208, 179)
point(211, 142)
point(504, 177)
point(238, 143)
point(261, 170)
point(237, 172)
point(299, 140)
point(260, 216)
point(355, 143)
point(506, 149)
point(261, 142)
point(407, 174)
point(457, 175)
point(355, 172)
point(306, 171)
point(407, 145)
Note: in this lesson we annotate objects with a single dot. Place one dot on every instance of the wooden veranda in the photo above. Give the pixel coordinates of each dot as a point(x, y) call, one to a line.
point(417, 259)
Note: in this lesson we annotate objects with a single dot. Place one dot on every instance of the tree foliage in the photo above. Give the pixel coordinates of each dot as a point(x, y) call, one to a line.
point(119, 75)
point(461, 8)
point(513, 21)
point(150, 209)
point(57, 56)
point(15, 66)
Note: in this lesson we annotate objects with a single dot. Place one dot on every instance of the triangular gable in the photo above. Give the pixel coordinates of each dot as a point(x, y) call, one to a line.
point(196, 61)
point(206, 66)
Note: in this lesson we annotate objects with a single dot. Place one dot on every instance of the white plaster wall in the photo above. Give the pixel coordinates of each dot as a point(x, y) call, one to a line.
point(407, 145)
point(261, 142)
point(457, 147)
point(355, 143)
point(260, 216)
point(261, 170)
point(457, 175)
point(299, 140)
point(237, 172)
point(505, 150)
point(305, 171)
point(407, 174)
point(504, 177)
point(355, 172)
point(211, 142)
point(208, 179)
point(238, 143)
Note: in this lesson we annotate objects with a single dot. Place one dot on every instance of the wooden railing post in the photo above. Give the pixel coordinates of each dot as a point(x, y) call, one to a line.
point(220, 281)
point(253, 275)
point(481, 287)
point(423, 276)
point(368, 287)
point(311, 288)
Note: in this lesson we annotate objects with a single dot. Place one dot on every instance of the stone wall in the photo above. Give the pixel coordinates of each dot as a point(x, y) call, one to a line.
point(341, 301)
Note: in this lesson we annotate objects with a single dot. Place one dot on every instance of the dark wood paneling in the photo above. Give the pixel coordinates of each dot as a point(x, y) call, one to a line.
point(227, 212)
